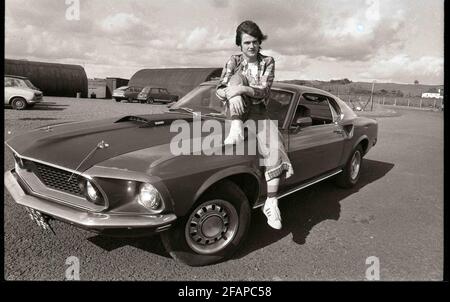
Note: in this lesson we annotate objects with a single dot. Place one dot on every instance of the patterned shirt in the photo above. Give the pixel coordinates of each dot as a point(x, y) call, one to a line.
point(261, 81)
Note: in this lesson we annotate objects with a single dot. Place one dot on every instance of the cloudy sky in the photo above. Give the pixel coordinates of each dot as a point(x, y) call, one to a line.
point(362, 40)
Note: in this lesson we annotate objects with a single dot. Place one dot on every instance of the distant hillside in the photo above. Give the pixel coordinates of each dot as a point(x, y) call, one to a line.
point(347, 87)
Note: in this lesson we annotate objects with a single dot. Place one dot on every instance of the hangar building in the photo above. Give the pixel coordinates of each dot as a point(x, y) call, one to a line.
point(178, 81)
point(52, 78)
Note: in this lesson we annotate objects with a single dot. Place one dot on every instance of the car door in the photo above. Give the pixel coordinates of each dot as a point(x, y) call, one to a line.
point(314, 148)
point(154, 93)
point(164, 94)
point(8, 89)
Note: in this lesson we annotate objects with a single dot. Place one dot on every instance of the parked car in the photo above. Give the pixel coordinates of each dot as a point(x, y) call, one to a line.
point(131, 93)
point(20, 93)
point(119, 93)
point(120, 176)
point(151, 94)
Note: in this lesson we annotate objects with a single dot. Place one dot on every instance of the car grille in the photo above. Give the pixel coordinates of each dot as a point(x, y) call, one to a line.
point(58, 179)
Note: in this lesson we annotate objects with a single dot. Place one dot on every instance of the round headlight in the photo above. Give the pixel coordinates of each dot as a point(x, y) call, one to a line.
point(149, 197)
point(92, 192)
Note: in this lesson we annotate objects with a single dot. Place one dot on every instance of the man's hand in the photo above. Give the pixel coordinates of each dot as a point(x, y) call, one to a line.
point(234, 91)
point(237, 106)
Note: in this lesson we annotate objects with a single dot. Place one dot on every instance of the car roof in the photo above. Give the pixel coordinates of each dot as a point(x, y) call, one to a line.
point(16, 76)
point(285, 86)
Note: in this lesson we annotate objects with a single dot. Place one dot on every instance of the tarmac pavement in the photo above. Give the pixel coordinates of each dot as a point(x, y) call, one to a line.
point(395, 213)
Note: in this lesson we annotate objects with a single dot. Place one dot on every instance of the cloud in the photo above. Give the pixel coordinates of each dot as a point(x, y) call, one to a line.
point(120, 23)
point(407, 69)
point(336, 29)
point(202, 39)
point(320, 39)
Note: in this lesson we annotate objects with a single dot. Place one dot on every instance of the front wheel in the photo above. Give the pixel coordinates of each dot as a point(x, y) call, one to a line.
point(150, 101)
point(117, 100)
point(19, 103)
point(352, 170)
point(214, 228)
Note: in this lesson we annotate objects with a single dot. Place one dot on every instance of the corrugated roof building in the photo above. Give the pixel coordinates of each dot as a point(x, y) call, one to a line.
point(52, 78)
point(178, 81)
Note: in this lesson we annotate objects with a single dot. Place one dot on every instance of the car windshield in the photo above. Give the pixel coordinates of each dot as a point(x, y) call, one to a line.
point(202, 99)
point(29, 84)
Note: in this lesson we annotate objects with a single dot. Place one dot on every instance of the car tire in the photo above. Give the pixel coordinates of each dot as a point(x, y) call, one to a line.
point(213, 229)
point(352, 170)
point(118, 100)
point(19, 103)
point(130, 100)
point(150, 101)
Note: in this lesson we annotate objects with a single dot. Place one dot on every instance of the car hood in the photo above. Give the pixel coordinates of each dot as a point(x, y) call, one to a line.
point(68, 145)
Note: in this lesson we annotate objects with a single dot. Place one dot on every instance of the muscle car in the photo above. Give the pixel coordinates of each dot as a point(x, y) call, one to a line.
point(120, 177)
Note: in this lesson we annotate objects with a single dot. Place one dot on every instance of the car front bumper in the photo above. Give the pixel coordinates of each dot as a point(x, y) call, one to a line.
point(97, 222)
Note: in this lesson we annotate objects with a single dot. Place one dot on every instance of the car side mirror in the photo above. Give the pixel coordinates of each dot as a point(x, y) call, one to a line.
point(303, 121)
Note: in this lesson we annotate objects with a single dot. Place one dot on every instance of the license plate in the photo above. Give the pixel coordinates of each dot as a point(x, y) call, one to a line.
point(40, 219)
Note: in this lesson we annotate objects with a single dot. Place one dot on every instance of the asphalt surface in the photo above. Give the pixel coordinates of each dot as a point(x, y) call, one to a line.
point(395, 213)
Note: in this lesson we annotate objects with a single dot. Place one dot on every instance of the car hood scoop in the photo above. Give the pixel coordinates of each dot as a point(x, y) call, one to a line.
point(149, 122)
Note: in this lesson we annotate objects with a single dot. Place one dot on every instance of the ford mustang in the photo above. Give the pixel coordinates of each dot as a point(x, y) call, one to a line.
point(121, 177)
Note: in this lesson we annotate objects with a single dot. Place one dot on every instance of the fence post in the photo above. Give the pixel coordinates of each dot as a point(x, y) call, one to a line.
point(421, 102)
point(383, 100)
point(408, 102)
point(395, 100)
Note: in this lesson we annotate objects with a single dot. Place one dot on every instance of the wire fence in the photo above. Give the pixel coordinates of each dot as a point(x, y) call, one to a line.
point(363, 101)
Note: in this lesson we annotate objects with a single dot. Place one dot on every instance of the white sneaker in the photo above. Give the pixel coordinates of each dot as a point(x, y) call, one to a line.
point(236, 135)
point(272, 213)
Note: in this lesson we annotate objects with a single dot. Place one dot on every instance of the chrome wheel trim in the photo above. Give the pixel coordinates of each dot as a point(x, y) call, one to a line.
point(211, 226)
point(355, 165)
point(19, 103)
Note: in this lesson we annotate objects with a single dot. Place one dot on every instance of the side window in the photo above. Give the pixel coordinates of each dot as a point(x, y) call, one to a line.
point(335, 112)
point(318, 106)
point(8, 82)
point(153, 91)
point(278, 105)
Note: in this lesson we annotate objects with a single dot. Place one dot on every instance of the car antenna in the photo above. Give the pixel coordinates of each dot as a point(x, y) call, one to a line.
point(100, 145)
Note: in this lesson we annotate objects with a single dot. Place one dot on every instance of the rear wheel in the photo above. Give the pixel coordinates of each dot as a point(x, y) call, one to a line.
point(117, 100)
point(352, 170)
point(19, 103)
point(150, 101)
point(214, 228)
point(130, 100)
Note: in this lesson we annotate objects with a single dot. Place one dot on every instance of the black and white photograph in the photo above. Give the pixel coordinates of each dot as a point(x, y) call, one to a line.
point(224, 140)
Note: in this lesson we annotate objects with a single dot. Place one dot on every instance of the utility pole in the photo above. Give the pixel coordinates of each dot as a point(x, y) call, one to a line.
point(371, 97)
